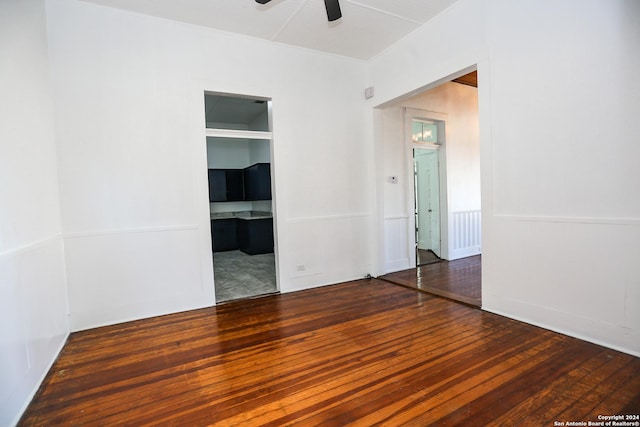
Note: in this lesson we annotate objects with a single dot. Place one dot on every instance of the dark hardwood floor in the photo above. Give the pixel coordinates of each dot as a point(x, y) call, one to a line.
point(459, 280)
point(364, 353)
point(424, 257)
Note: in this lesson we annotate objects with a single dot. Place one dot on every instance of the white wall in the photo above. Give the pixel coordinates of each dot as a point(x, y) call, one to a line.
point(228, 153)
point(33, 302)
point(225, 153)
point(558, 142)
point(259, 152)
point(132, 155)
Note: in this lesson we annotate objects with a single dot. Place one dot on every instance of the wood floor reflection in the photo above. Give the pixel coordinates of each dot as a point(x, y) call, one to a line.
point(459, 280)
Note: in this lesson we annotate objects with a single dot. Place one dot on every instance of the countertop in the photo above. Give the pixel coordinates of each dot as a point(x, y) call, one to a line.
point(244, 215)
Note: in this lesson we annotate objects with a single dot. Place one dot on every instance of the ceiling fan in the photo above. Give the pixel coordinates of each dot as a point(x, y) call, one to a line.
point(332, 6)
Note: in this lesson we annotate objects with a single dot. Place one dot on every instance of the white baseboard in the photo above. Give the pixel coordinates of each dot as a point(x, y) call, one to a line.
point(397, 265)
point(464, 252)
point(604, 334)
point(43, 375)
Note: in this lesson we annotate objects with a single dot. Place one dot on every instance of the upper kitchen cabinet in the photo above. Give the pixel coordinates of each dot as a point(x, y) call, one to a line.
point(243, 114)
point(226, 185)
point(257, 182)
point(235, 185)
point(217, 185)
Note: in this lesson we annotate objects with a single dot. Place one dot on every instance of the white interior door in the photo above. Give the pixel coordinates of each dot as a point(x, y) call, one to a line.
point(427, 199)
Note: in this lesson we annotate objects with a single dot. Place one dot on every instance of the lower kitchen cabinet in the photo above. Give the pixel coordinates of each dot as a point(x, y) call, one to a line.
point(224, 234)
point(255, 236)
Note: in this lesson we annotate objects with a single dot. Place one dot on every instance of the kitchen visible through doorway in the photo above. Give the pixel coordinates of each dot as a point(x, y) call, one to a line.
point(241, 210)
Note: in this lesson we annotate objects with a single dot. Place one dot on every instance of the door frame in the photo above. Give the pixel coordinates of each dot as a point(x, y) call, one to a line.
point(202, 179)
point(440, 119)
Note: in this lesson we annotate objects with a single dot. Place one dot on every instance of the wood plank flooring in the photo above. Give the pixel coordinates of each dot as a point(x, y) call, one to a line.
point(424, 257)
point(459, 280)
point(360, 353)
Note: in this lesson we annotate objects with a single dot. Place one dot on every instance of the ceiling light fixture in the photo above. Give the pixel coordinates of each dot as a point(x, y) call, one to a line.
point(333, 8)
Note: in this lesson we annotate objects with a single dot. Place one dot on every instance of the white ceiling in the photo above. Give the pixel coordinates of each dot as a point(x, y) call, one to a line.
point(367, 27)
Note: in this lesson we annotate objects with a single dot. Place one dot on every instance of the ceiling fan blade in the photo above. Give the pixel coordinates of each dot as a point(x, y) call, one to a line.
point(333, 9)
point(263, 1)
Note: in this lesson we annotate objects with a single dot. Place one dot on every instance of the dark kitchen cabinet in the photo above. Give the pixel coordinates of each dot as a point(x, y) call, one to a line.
point(217, 185)
point(255, 236)
point(235, 185)
point(226, 185)
point(257, 182)
point(224, 234)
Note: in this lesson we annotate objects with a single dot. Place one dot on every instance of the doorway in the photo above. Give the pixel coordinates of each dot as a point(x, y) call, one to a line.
point(427, 206)
point(238, 130)
point(440, 166)
point(427, 197)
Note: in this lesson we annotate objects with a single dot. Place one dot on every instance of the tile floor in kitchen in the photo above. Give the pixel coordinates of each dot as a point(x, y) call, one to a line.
point(238, 275)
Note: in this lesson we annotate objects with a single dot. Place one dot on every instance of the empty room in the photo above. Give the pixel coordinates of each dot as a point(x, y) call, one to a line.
point(201, 204)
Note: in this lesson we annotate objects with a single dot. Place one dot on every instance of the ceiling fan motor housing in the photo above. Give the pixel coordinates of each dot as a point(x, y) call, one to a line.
point(332, 6)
